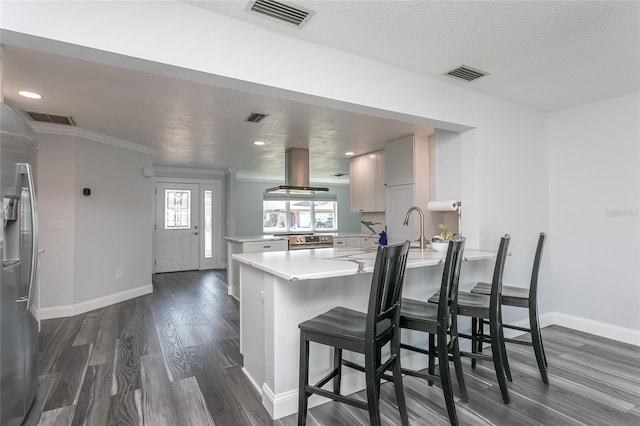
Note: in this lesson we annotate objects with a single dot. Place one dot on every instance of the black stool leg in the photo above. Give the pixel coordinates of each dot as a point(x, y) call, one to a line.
point(496, 354)
point(432, 357)
point(397, 380)
point(480, 333)
point(474, 337)
point(337, 365)
point(303, 397)
point(378, 362)
point(458, 366)
point(445, 377)
point(372, 389)
point(503, 349)
point(536, 338)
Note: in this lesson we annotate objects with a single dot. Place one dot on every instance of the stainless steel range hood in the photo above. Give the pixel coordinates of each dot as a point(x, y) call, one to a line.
point(296, 178)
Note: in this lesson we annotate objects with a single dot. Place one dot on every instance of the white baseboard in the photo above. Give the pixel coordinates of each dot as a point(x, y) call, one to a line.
point(253, 382)
point(602, 329)
point(610, 331)
point(286, 403)
point(97, 303)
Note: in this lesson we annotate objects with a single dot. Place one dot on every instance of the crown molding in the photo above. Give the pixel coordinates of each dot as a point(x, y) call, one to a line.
point(60, 129)
point(164, 170)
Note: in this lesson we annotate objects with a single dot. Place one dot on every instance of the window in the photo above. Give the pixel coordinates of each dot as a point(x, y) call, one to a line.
point(275, 216)
point(177, 209)
point(325, 214)
point(208, 227)
point(284, 213)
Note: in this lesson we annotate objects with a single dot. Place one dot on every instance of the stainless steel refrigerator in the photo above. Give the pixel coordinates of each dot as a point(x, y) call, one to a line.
point(19, 251)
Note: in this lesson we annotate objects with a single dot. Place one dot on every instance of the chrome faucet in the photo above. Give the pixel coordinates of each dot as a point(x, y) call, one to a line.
point(423, 241)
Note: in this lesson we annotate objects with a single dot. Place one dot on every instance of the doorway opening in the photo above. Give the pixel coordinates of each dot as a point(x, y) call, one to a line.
point(188, 225)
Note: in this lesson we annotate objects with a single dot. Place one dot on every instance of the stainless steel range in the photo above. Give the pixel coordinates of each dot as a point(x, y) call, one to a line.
point(300, 242)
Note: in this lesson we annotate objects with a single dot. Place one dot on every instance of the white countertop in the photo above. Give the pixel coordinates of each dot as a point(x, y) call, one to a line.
point(331, 262)
point(276, 237)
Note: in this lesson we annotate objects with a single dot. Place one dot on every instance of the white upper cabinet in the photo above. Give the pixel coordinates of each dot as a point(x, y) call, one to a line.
point(407, 161)
point(381, 187)
point(366, 182)
point(399, 156)
point(407, 170)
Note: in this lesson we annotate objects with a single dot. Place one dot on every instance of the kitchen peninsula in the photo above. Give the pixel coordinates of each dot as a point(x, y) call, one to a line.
point(278, 290)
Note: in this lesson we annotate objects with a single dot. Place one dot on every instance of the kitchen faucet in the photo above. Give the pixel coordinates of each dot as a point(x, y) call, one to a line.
point(423, 241)
point(369, 225)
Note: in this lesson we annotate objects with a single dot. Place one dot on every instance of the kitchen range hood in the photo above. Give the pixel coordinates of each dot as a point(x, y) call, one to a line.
point(296, 178)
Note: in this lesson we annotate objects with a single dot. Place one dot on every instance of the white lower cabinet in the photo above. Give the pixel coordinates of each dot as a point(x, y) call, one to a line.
point(262, 246)
point(368, 242)
point(355, 242)
point(346, 242)
point(233, 247)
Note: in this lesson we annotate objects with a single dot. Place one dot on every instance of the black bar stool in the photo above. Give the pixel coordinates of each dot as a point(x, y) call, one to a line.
point(440, 321)
point(479, 307)
point(364, 333)
point(523, 298)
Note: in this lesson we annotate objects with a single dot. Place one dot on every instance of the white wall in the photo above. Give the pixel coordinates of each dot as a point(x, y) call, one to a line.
point(515, 176)
point(56, 190)
point(111, 229)
point(248, 205)
point(295, 69)
point(594, 163)
point(113, 224)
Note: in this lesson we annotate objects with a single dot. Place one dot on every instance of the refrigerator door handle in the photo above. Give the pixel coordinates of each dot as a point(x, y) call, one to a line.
point(22, 301)
point(10, 264)
point(25, 169)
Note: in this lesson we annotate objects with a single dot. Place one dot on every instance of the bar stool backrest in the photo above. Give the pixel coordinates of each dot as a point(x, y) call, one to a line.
point(498, 272)
point(448, 299)
point(386, 288)
point(533, 286)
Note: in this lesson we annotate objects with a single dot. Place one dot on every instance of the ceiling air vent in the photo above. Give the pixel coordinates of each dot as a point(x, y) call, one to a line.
point(466, 73)
point(283, 12)
point(255, 117)
point(44, 117)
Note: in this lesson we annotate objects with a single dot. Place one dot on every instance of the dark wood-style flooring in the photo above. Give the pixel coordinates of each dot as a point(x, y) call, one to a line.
point(172, 358)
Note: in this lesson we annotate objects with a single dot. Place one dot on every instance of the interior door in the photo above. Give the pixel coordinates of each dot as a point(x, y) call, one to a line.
point(177, 227)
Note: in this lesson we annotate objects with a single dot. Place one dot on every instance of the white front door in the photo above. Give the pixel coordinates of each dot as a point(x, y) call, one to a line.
point(177, 227)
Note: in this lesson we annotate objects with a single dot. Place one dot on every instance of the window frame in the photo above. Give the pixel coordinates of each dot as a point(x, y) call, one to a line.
point(294, 198)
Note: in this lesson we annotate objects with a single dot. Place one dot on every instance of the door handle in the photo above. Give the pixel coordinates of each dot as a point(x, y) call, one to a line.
point(9, 264)
point(195, 233)
point(25, 169)
point(23, 303)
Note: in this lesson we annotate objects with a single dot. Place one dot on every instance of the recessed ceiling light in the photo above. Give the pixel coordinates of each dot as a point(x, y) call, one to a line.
point(259, 143)
point(348, 153)
point(30, 95)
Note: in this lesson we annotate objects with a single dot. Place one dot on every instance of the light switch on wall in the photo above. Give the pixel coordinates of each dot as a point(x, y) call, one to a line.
point(57, 225)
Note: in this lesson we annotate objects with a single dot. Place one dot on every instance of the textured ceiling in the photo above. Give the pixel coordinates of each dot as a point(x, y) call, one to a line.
point(545, 54)
point(549, 55)
point(195, 125)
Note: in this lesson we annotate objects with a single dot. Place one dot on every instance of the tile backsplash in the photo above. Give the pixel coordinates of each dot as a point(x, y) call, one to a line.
point(377, 217)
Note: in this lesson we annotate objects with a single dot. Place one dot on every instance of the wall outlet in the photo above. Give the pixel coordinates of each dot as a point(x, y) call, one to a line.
point(261, 296)
point(118, 274)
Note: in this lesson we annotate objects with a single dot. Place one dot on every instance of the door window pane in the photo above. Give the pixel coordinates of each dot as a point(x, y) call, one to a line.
point(208, 230)
point(274, 216)
point(177, 210)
